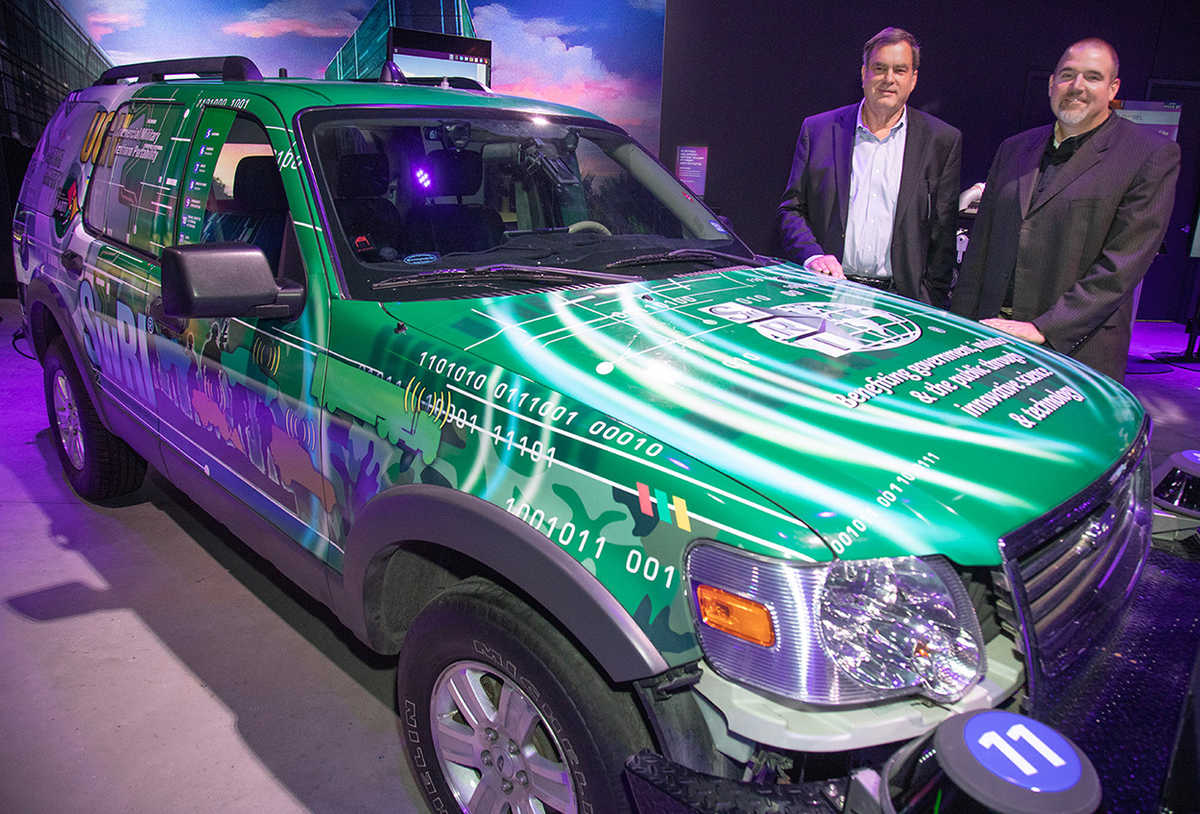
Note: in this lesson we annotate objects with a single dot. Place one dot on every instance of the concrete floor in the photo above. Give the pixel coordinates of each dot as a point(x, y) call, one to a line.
point(154, 663)
point(151, 662)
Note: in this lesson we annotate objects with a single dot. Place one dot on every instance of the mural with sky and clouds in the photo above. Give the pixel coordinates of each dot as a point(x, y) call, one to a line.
point(602, 56)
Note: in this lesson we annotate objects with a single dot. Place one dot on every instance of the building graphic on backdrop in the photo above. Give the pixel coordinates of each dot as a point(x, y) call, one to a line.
point(363, 54)
point(44, 54)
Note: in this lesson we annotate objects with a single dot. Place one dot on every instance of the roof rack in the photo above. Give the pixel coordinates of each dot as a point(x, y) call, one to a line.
point(231, 68)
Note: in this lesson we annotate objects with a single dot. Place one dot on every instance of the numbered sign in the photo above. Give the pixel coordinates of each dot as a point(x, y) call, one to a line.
point(1022, 751)
point(1012, 763)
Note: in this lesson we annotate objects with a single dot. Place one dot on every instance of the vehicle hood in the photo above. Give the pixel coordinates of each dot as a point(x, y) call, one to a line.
point(887, 426)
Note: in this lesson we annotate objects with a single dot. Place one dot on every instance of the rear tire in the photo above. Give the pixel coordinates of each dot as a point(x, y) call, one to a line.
point(500, 712)
point(98, 464)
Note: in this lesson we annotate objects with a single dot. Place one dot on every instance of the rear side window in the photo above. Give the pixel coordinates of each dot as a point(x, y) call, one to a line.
point(135, 183)
point(55, 178)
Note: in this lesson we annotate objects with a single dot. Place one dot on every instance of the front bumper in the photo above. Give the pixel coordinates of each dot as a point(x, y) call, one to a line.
point(804, 728)
point(1125, 708)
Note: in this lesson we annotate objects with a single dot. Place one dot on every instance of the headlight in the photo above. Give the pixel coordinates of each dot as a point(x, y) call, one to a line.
point(893, 624)
point(846, 632)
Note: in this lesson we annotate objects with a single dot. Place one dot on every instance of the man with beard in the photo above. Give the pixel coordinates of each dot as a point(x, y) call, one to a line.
point(1071, 217)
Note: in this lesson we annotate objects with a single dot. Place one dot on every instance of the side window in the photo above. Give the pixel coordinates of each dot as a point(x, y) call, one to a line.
point(235, 190)
point(617, 199)
point(53, 168)
point(135, 183)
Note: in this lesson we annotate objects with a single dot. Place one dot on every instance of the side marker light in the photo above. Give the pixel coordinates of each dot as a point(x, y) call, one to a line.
point(735, 615)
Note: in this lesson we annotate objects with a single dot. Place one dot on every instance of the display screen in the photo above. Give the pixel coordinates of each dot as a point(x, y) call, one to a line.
point(425, 53)
point(1162, 117)
point(691, 167)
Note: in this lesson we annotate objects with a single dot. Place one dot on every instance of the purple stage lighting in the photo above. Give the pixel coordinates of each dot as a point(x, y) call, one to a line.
point(423, 178)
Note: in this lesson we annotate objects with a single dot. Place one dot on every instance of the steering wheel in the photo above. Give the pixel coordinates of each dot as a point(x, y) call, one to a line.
point(589, 226)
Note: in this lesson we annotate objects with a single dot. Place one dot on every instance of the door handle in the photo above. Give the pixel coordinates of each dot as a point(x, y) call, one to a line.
point(169, 327)
point(72, 262)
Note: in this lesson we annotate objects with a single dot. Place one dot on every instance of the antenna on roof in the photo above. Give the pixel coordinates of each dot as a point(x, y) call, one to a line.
point(392, 74)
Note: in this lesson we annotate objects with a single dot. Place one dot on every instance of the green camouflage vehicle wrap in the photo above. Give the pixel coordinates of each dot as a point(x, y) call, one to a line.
point(765, 408)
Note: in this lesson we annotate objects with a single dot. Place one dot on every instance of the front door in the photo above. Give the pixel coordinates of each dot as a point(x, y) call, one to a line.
point(238, 393)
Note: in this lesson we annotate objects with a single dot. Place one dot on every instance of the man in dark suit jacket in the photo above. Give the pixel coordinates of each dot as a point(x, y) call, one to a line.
point(899, 232)
point(1071, 218)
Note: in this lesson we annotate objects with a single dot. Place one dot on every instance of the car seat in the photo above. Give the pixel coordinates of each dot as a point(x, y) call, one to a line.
point(455, 227)
point(370, 221)
point(258, 212)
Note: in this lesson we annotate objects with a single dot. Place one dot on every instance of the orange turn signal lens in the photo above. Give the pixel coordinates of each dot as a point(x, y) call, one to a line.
point(735, 615)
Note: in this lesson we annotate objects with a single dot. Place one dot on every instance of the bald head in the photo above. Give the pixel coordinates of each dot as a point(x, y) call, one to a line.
point(1094, 42)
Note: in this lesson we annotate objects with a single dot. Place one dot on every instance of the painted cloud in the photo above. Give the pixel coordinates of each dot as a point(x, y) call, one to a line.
point(532, 58)
point(307, 18)
point(106, 16)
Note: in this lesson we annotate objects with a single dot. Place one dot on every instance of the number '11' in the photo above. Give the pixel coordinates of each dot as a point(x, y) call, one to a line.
point(1020, 732)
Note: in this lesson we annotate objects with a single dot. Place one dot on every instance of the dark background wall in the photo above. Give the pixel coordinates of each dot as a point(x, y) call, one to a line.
point(740, 78)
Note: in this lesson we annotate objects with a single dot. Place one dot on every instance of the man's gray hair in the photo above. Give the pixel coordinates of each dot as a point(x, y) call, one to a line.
point(892, 35)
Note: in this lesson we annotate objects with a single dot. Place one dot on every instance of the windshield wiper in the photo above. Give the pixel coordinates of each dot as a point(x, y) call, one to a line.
point(500, 271)
point(677, 256)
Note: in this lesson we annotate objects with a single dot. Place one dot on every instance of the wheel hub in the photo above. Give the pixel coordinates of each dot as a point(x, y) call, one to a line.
point(494, 746)
point(66, 413)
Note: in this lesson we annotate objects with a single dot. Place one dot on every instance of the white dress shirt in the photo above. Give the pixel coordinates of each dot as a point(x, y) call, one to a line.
point(875, 168)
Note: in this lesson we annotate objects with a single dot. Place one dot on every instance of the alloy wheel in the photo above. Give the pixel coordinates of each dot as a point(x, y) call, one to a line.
point(496, 749)
point(70, 431)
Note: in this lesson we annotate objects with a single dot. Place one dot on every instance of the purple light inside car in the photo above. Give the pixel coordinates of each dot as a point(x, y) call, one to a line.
point(423, 178)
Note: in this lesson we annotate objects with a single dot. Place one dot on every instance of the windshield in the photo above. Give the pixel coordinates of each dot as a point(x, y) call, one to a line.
point(478, 203)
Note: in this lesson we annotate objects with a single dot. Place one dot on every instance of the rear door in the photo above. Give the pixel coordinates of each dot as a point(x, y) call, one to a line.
point(128, 219)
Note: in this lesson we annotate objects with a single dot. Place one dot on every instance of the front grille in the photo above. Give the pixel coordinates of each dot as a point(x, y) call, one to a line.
point(1067, 576)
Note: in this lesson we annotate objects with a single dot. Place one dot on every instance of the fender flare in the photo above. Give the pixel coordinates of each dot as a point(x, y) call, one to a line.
point(41, 293)
point(502, 542)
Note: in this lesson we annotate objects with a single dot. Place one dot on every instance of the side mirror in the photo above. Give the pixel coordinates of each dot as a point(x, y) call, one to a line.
point(207, 280)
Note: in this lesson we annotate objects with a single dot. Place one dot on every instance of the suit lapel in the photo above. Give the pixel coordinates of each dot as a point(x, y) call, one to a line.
point(843, 146)
point(1029, 168)
point(1088, 156)
point(915, 144)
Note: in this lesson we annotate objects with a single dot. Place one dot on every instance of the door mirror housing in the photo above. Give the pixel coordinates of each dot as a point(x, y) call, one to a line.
point(212, 280)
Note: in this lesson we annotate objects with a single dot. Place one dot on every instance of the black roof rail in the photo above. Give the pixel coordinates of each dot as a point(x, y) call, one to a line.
point(231, 68)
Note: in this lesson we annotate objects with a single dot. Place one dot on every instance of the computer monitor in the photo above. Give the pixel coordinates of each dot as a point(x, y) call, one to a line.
point(429, 54)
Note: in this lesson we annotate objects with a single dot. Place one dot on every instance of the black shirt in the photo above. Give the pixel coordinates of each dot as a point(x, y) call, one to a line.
point(1052, 161)
point(1054, 157)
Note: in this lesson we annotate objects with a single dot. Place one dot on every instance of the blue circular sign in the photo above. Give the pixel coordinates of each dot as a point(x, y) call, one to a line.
point(1022, 751)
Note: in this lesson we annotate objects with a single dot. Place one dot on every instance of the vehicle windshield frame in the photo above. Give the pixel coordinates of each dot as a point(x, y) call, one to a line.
point(307, 121)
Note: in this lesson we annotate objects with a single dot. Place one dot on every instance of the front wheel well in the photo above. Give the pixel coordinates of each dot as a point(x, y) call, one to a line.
point(44, 327)
point(405, 578)
point(402, 579)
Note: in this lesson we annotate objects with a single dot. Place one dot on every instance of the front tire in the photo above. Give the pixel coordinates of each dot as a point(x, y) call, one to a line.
point(98, 464)
point(501, 713)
